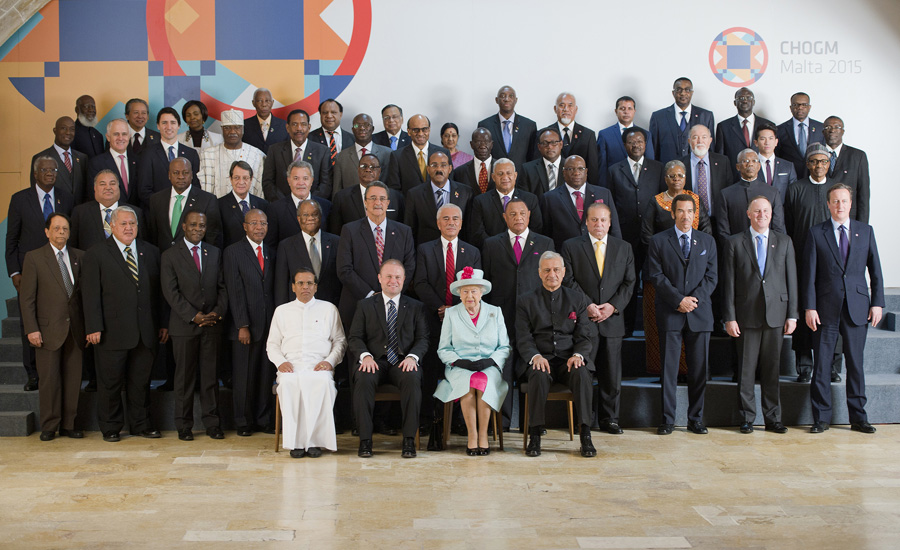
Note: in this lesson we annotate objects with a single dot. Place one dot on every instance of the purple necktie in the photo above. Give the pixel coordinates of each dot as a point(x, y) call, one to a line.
point(517, 248)
point(196, 256)
point(769, 172)
point(844, 244)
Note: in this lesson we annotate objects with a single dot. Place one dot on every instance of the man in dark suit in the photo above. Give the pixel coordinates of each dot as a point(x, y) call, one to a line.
point(849, 166)
point(283, 212)
point(511, 259)
point(249, 267)
point(265, 129)
point(346, 166)
point(565, 207)
point(90, 220)
point(487, 208)
point(29, 209)
point(235, 205)
point(476, 172)
point(137, 112)
point(610, 141)
point(312, 249)
point(71, 164)
point(393, 137)
point(516, 134)
point(544, 173)
point(50, 299)
point(833, 293)
point(349, 204)
point(120, 160)
point(387, 340)
point(681, 266)
point(121, 318)
point(669, 127)
point(153, 165)
point(424, 200)
point(735, 134)
point(577, 139)
point(708, 172)
point(759, 297)
point(437, 263)
point(87, 139)
point(298, 147)
point(553, 334)
point(731, 206)
point(407, 166)
point(602, 267)
point(773, 171)
point(167, 208)
point(798, 133)
point(330, 134)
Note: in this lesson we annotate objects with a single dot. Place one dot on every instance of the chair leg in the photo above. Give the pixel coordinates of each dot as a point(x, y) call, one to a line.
point(525, 426)
point(448, 414)
point(417, 440)
point(571, 422)
point(498, 428)
point(277, 422)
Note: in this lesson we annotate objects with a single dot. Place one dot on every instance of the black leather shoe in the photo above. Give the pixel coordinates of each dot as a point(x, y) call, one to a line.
point(863, 427)
point(112, 437)
point(185, 435)
point(818, 427)
point(298, 453)
point(611, 428)
point(74, 434)
point(354, 432)
point(409, 447)
point(165, 386)
point(215, 432)
point(47, 436)
point(664, 429)
point(266, 429)
point(472, 452)
point(365, 448)
point(777, 427)
point(91, 386)
point(484, 451)
point(587, 447)
point(150, 434)
point(244, 431)
point(314, 452)
point(31, 385)
point(697, 427)
point(804, 378)
point(746, 428)
point(534, 446)
point(835, 377)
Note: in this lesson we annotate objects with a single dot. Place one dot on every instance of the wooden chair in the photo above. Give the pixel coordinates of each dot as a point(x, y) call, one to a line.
point(558, 392)
point(448, 415)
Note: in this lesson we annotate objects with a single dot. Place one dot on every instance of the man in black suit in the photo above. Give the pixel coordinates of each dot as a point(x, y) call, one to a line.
point(773, 171)
point(120, 160)
point(577, 139)
point(437, 263)
point(476, 172)
point(153, 165)
point(346, 166)
point(543, 174)
point(408, 164)
point(71, 164)
point(167, 208)
point(798, 133)
point(759, 297)
point(511, 259)
point(29, 209)
point(708, 172)
point(194, 286)
point(553, 334)
point(393, 136)
point(283, 212)
point(516, 134)
point(849, 166)
point(330, 134)
point(249, 267)
point(731, 206)
point(121, 317)
point(602, 267)
point(565, 207)
point(298, 147)
point(349, 204)
point(90, 220)
point(610, 145)
point(735, 134)
point(387, 340)
point(265, 129)
point(312, 249)
point(235, 205)
point(87, 139)
point(137, 112)
point(833, 293)
point(487, 208)
point(670, 126)
point(681, 266)
point(424, 200)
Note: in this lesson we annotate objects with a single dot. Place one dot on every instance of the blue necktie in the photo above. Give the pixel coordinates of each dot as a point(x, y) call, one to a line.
point(393, 143)
point(683, 125)
point(392, 352)
point(507, 135)
point(439, 198)
point(685, 246)
point(245, 207)
point(801, 141)
point(832, 161)
point(171, 153)
point(48, 207)
point(760, 254)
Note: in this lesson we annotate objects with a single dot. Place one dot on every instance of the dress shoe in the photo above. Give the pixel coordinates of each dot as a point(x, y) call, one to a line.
point(267, 429)
point(150, 434)
point(47, 436)
point(409, 447)
point(298, 453)
point(664, 429)
point(365, 448)
point(534, 446)
point(587, 447)
point(165, 386)
point(436, 439)
point(777, 427)
point(91, 386)
point(804, 377)
point(697, 427)
point(244, 431)
point(185, 434)
point(818, 427)
point(746, 428)
point(835, 377)
point(31, 385)
point(472, 451)
point(611, 428)
point(74, 434)
point(215, 432)
point(863, 427)
point(112, 437)
point(314, 452)
point(484, 451)
point(354, 432)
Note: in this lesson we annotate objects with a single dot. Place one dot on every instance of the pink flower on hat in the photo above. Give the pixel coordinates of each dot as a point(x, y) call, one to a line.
point(467, 273)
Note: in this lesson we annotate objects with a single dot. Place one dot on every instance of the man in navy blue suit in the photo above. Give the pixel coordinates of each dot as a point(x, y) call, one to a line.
point(773, 171)
point(797, 133)
point(669, 127)
point(610, 145)
point(515, 134)
point(838, 301)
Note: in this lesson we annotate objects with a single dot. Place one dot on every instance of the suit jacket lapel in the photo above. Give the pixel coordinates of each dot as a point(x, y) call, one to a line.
point(828, 229)
point(53, 266)
point(368, 237)
point(592, 258)
point(750, 247)
point(114, 251)
point(567, 202)
point(673, 239)
point(251, 255)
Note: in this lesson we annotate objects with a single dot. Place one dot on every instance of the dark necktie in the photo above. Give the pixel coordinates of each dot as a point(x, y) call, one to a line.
point(196, 254)
point(392, 351)
point(106, 229)
point(844, 245)
point(831, 162)
point(483, 179)
point(244, 207)
point(579, 203)
point(333, 146)
point(379, 244)
point(171, 153)
point(685, 246)
point(746, 134)
point(48, 207)
point(769, 172)
point(67, 281)
point(439, 198)
point(451, 274)
point(132, 264)
point(551, 177)
point(683, 125)
point(566, 140)
point(703, 185)
point(136, 145)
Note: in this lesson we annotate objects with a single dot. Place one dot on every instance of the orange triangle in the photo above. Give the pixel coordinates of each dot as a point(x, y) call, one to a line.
point(42, 43)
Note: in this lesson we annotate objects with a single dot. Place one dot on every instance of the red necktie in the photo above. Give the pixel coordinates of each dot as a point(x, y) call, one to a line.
point(579, 203)
point(451, 274)
point(379, 245)
point(68, 161)
point(363, 152)
point(746, 134)
point(262, 261)
point(197, 257)
point(517, 248)
point(482, 179)
point(124, 171)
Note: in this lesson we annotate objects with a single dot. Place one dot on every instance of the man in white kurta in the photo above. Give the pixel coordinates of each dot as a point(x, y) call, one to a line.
point(216, 161)
point(305, 341)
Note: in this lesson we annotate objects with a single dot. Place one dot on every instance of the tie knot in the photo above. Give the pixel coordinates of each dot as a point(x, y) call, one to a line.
point(128, 250)
point(59, 255)
point(196, 248)
point(178, 198)
point(683, 113)
point(684, 236)
point(701, 163)
point(258, 248)
point(577, 193)
point(519, 237)
point(449, 245)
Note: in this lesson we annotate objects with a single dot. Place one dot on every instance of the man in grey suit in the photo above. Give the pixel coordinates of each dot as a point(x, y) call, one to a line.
point(515, 133)
point(760, 301)
point(346, 165)
point(773, 171)
point(298, 147)
point(708, 172)
point(849, 166)
point(72, 164)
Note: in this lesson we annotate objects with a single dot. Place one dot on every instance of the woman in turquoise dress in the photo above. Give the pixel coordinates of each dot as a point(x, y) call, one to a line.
point(473, 347)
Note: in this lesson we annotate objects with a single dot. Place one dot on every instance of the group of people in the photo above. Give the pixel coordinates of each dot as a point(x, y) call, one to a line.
point(272, 254)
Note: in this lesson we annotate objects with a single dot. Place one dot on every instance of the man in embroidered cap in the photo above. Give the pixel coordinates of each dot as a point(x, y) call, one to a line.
point(216, 161)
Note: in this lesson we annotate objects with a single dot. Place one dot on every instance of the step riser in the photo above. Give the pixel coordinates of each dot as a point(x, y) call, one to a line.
point(10, 328)
point(12, 307)
point(16, 423)
point(13, 374)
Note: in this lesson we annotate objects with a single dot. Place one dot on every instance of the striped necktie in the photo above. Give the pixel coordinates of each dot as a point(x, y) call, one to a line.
point(132, 264)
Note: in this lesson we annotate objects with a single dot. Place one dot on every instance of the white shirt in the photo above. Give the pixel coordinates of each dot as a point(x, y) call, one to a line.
point(754, 234)
point(594, 240)
point(687, 116)
point(115, 157)
point(487, 166)
point(133, 246)
point(814, 182)
point(265, 125)
point(571, 190)
point(387, 301)
point(445, 191)
point(444, 243)
point(424, 151)
point(631, 163)
point(751, 123)
point(297, 200)
point(523, 238)
point(65, 253)
point(359, 148)
point(294, 148)
point(142, 133)
point(837, 150)
point(239, 199)
point(555, 165)
point(318, 237)
point(338, 138)
point(41, 193)
point(184, 201)
point(837, 232)
point(562, 133)
point(255, 245)
point(305, 335)
point(510, 195)
point(60, 151)
point(623, 128)
point(111, 207)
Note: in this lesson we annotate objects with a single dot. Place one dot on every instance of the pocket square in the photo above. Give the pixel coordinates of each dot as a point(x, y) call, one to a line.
point(572, 316)
point(703, 253)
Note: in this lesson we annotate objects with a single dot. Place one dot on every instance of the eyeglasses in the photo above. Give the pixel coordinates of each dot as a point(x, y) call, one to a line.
point(392, 117)
point(255, 223)
point(579, 169)
point(675, 176)
point(362, 126)
point(47, 170)
point(551, 143)
point(369, 167)
point(304, 283)
point(836, 127)
point(418, 130)
point(749, 161)
point(683, 90)
point(439, 165)
point(377, 199)
point(799, 104)
point(818, 162)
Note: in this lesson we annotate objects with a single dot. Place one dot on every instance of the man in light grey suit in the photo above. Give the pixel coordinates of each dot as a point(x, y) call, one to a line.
point(346, 166)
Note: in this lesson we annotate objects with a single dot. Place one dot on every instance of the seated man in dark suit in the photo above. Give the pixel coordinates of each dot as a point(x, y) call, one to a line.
point(602, 267)
point(330, 134)
point(408, 164)
point(516, 134)
point(735, 199)
point(298, 147)
point(488, 208)
point(349, 203)
point(798, 133)
point(393, 136)
point(423, 201)
point(544, 173)
point(71, 164)
point(120, 160)
point(137, 112)
point(849, 166)
point(264, 129)
point(735, 134)
point(344, 174)
point(610, 140)
point(87, 139)
point(283, 212)
point(669, 126)
point(475, 173)
point(577, 139)
point(235, 205)
point(708, 172)
point(681, 266)
point(553, 334)
point(773, 171)
point(153, 165)
point(313, 249)
point(387, 340)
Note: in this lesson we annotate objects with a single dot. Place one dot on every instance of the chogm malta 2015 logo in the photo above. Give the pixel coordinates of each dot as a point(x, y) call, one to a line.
point(738, 57)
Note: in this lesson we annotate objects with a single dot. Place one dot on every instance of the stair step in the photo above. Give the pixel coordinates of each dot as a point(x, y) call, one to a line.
point(892, 299)
point(10, 349)
point(12, 307)
point(13, 372)
point(10, 327)
point(16, 423)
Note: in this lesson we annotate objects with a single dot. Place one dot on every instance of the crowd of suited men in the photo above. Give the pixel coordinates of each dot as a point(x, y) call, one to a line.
point(96, 245)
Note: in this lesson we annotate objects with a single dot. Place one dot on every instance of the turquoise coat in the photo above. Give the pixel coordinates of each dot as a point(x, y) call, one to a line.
point(461, 339)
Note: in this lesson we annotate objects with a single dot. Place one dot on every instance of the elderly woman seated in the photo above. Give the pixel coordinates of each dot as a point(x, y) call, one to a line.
point(473, 347)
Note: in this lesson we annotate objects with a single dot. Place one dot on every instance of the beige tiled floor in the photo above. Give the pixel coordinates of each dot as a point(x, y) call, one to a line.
point(797, 491)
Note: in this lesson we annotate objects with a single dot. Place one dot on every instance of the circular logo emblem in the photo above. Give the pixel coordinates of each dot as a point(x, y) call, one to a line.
point(738, 57)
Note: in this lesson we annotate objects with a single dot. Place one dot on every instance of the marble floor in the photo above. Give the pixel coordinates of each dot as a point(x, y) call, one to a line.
point(840, 489)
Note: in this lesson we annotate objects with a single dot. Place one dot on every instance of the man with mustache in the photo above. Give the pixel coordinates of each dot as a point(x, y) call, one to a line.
point(87, 139)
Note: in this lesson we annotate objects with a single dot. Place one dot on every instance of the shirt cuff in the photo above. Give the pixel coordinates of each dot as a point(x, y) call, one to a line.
point(363, 355)
point(414, 356)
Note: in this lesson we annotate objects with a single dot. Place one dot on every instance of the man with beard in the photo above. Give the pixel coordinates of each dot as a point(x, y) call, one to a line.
point(87, 139)
point(216, 161)
point(709, 172)
point(670, 127)
point(424, 200)
point(475, 173)
point(577, 139)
